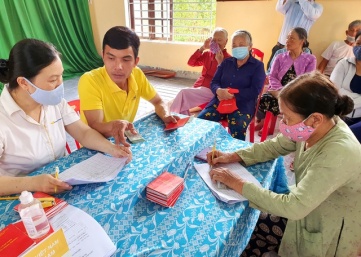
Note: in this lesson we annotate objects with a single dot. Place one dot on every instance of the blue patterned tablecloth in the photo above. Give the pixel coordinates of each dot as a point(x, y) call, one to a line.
point(198, 225)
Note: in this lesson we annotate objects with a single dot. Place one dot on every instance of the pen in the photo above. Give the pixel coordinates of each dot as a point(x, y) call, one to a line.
point(187, 168)
point(45, 201)
point(56, 176)
point(53, 122)
point(211, 166)
point(9, 198)
point(213, 150)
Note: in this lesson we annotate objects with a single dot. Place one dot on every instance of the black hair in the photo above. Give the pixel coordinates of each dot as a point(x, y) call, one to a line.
point(302, 34)
point(314, 92)
point(27, 58)
point(358, 33)
point(120, 37)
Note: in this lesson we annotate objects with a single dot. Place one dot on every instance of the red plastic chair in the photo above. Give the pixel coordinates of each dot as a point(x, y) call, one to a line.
point(268, 126)
point(75, 104)
point(257, 54)
point(252, 127)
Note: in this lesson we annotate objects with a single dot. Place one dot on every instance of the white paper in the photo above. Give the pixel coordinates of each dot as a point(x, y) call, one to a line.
point(226, 194)
point(83, 234)
point(98, 168)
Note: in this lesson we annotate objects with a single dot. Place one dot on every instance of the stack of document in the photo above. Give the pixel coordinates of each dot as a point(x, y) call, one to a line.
point(165, 189)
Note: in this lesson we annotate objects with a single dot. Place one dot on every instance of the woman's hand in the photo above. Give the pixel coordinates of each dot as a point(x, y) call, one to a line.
point(228, 178)
point(48, 184)
point(207, 43)
point(221, 157)
point(121, 151)
point(223, 94)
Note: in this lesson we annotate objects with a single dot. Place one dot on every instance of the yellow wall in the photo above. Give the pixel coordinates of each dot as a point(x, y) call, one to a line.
point(105, 14)
point(258, 17)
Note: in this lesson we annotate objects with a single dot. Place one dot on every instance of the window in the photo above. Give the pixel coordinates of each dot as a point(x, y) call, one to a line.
point(173, 20)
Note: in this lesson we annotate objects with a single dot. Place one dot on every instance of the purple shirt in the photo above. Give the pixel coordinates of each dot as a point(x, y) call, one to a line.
point(248, 79)
point(303, 64)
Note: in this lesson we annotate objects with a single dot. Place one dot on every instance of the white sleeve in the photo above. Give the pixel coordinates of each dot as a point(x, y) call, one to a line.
point(327, 54)
point(312, 11)
point(282, 8)
point(339, 73)
point(68, 114)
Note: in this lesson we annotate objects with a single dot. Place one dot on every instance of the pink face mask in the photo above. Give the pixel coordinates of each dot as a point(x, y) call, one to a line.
point(298, 132)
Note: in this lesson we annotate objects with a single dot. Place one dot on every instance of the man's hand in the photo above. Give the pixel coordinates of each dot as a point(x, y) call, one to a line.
point(117, 131)
point(223, 94)
point(170, 119)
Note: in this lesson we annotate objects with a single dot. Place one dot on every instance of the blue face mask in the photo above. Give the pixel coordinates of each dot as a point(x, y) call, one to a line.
point(357, 52)
point(240, 52)
point(44, 97)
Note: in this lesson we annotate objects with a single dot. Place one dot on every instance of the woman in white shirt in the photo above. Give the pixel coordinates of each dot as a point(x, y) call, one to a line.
point(34, 118)
point(347, 78)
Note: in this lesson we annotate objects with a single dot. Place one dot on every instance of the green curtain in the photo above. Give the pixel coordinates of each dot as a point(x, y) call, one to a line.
point(64, 23)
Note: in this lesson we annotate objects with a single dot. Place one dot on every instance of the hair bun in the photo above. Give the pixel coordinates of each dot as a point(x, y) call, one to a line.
point(4, 71)
point(344, 105)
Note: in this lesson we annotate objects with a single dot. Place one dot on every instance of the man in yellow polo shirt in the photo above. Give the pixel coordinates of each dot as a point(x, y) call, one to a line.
point(110, 95)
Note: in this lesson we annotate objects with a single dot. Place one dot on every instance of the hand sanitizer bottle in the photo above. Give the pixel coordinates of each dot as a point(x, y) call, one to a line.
point(33, 216)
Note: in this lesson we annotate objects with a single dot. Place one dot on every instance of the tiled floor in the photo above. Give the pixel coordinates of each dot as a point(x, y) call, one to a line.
point(167, 89)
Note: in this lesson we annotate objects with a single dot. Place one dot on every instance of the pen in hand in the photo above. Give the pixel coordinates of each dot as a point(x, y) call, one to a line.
point(211, 166)
point(56, 176)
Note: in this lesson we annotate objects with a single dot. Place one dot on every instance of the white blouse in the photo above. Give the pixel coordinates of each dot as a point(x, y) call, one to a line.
point(25, 144)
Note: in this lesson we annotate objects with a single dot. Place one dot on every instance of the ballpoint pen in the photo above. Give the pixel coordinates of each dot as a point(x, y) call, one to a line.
point(45, 201)
point(187, 168)
point(56, 176)
point(211, 166)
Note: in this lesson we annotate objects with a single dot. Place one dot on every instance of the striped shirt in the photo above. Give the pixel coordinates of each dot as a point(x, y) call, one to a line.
point(301, 13)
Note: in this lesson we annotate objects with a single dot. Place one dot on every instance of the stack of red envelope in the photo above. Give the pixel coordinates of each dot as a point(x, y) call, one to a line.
point(165, 189)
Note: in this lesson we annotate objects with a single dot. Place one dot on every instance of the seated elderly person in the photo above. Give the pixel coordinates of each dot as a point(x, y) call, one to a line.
point(338, 50)
point(320, 215)
point(347, 77)
point(286, 67)
point(200, 93)
point(241, 72)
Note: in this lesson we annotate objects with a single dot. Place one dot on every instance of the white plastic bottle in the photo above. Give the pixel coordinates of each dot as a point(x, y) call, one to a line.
point(33, 216)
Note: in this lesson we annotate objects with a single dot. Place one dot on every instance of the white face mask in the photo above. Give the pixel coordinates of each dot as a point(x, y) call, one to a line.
point(44, 97)
point(350, 39)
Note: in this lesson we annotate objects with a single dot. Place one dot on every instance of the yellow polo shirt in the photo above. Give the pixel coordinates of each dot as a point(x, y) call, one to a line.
point(98, 92)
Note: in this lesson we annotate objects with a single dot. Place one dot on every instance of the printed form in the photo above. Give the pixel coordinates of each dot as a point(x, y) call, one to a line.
point(98, 168)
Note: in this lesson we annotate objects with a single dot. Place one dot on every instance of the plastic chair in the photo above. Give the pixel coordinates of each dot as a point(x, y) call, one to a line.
point(75, 104)
point(224, 123)
point(257, 54)
point(268, 126)
point(252, 127)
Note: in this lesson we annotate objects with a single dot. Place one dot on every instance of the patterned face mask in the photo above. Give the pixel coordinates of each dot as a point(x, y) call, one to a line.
point(298, 132)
